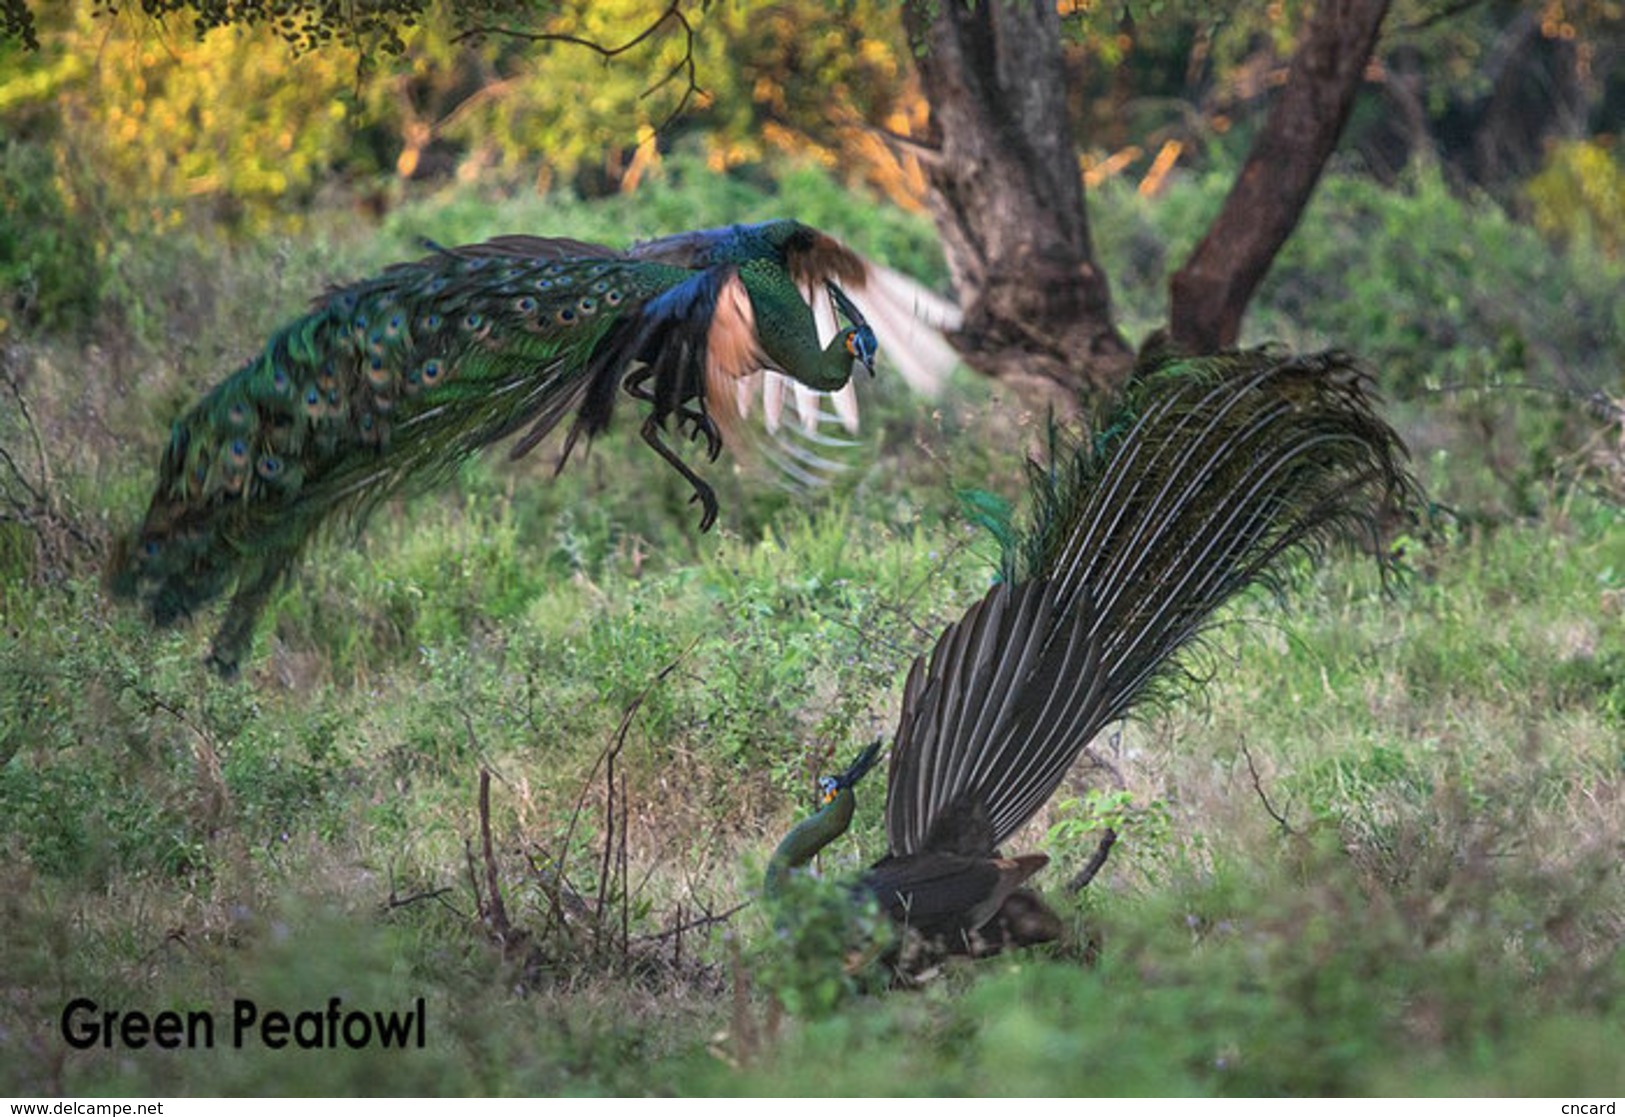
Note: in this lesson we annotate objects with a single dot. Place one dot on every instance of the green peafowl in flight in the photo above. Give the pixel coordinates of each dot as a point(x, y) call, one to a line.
point(1212, 476)
point(386, 384)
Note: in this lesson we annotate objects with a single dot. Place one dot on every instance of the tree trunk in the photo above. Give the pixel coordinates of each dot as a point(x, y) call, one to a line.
point(1535, 97)
point(1208, 296)
point(1007, 197)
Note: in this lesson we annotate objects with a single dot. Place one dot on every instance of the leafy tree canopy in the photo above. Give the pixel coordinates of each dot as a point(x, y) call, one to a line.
point(307, 24)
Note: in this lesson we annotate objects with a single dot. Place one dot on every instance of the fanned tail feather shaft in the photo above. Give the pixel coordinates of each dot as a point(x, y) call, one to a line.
point(1210, 477)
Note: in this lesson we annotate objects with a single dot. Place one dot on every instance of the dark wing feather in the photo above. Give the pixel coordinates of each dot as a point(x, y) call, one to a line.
point(945, 895)
point(667, 336)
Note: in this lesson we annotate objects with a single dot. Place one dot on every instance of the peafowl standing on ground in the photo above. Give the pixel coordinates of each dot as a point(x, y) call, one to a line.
point(388, 383)
point(1214, 473)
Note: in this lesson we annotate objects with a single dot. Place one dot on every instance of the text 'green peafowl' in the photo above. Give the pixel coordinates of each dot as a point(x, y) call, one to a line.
point(388, 383)
point(1213, 474)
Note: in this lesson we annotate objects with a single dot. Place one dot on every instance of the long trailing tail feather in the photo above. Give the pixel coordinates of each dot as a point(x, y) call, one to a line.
point(1212, 474)
point(332, 417)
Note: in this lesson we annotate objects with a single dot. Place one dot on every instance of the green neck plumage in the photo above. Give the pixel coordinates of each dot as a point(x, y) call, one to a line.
point(802, 844)
point(789, 335)
point(830, 821)
point(828, 369)
point(843, 354)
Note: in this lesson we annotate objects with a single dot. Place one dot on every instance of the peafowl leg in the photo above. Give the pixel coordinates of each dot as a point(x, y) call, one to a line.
point(636, 385)
point(702, 425)
point(702, 492)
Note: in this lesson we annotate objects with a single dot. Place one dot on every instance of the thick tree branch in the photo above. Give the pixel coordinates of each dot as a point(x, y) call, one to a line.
point(1209, 295)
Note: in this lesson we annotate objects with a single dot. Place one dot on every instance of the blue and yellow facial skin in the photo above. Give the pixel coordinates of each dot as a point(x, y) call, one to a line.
point(828, 788)
point(860, 342)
